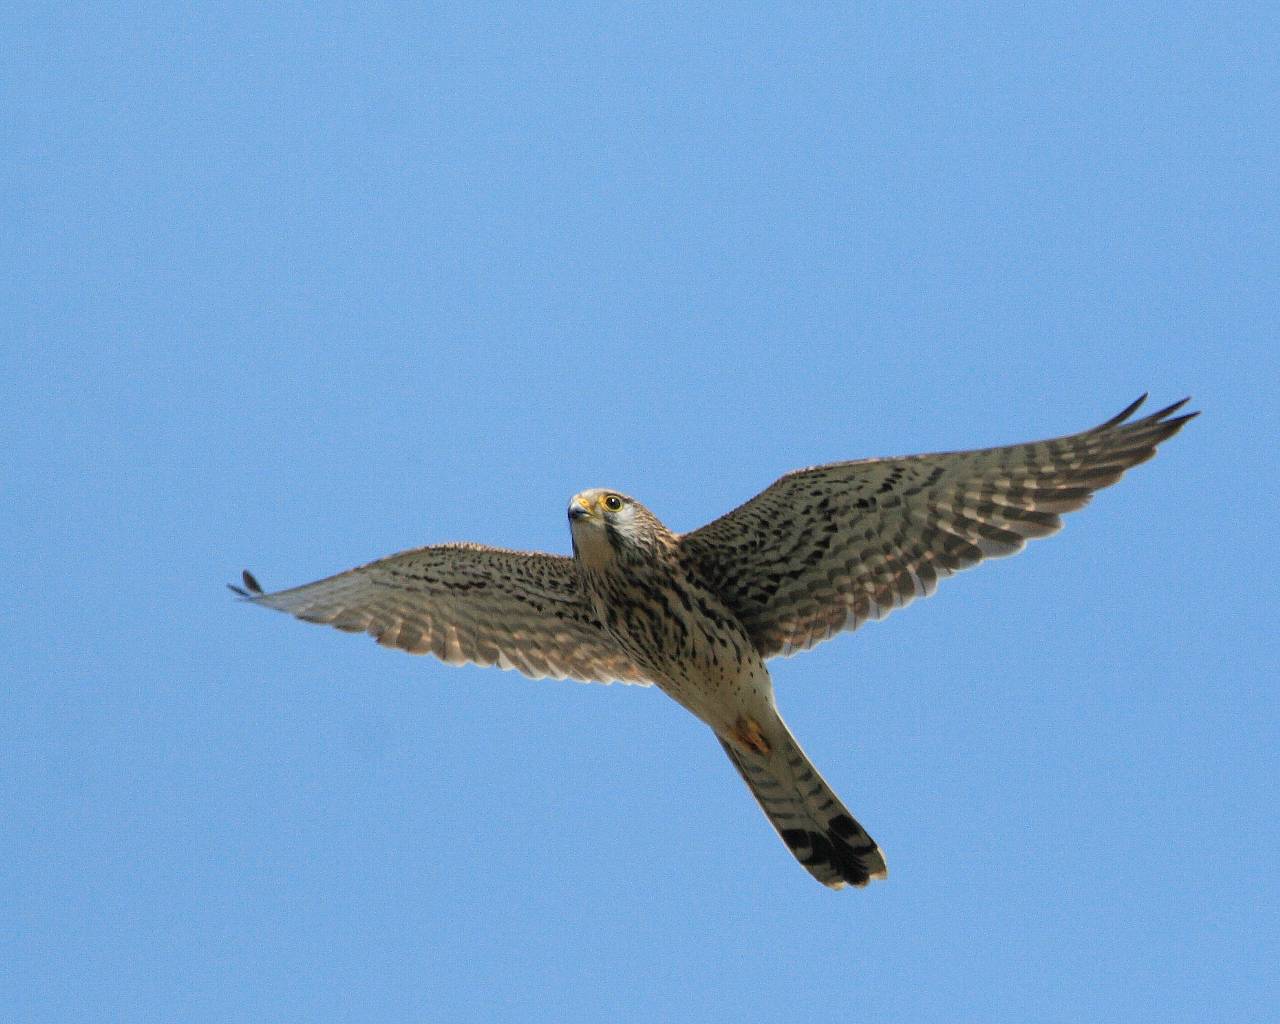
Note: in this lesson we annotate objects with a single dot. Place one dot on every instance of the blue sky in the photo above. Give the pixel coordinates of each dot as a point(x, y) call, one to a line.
point(295, 287)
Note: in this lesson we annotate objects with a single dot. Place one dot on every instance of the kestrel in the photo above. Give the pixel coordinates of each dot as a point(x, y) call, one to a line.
point(819, 552)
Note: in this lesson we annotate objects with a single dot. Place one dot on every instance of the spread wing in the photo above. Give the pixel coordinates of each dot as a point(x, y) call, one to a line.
point(466, 602)
point(825, 549)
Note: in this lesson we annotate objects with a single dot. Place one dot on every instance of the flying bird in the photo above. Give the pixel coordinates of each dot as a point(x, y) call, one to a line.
point(819, 552)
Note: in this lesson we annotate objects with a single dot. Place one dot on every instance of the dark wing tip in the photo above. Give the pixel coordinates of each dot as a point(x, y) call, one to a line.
point(1169, 410)
point(1166, 422)
point(1122, 415)
point(251, 588)
point(1162, 416)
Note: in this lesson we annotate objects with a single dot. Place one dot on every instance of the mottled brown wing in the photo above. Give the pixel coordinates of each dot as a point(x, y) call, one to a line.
point(466, 602)
point(825, 549)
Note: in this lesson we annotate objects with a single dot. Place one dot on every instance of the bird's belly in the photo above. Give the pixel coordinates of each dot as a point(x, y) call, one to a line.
point(710, 667)
point(722, 701)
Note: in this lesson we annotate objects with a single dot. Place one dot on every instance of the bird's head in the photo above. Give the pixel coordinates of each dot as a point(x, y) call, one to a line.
point(607, 525)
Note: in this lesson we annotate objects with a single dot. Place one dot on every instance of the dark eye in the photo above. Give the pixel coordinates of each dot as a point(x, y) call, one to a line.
point(613, 503)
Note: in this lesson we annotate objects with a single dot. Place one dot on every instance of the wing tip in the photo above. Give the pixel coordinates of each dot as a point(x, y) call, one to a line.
point(1160, 416)
point(1127, 411)
point(1163, 415)
point(251, 589)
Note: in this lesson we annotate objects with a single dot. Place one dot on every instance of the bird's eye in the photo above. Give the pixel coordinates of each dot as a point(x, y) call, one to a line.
point(612, 502)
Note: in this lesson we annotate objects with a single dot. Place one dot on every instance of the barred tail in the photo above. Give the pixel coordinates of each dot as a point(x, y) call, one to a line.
point(815, 825)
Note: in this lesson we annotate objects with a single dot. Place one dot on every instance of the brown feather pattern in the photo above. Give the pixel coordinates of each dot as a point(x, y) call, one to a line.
point(467, 602)
point(825, 549)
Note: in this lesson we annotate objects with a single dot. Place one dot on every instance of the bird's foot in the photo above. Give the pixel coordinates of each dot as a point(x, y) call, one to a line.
point(747, 732)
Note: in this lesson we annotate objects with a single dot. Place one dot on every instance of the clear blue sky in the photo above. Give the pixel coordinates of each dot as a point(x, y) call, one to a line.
point(295, 288)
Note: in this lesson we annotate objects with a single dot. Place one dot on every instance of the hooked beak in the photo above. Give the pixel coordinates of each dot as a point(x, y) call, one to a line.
point(578, 509)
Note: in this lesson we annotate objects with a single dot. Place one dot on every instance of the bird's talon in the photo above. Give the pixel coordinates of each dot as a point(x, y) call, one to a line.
point(747, 732)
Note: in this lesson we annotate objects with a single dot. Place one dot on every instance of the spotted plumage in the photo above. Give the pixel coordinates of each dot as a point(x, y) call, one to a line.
point(820, 551)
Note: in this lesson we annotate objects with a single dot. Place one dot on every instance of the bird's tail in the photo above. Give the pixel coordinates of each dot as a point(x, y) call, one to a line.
point(817, 828)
